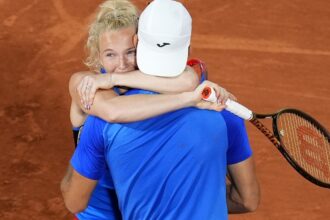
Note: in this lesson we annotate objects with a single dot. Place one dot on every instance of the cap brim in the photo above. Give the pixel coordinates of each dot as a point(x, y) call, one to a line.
point(169, 64)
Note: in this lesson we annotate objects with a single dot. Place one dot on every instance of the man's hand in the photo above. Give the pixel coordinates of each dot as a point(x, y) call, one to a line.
point(90, 84)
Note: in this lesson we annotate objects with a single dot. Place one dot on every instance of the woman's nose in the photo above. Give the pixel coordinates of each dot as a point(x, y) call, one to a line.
point(122, 63)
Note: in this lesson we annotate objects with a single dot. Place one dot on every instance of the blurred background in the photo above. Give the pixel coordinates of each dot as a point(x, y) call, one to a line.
point(270, 54)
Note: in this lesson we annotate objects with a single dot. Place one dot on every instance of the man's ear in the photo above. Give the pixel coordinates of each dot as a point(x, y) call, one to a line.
point(135, 40)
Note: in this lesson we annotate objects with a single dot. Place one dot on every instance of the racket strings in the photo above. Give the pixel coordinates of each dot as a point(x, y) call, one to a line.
point(306, 144)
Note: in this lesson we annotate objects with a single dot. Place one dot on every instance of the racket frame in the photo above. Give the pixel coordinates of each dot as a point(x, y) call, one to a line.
point(280, 145)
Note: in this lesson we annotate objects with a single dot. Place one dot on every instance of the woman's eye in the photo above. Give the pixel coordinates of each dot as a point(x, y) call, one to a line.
point(131, 52)
point(110, 55)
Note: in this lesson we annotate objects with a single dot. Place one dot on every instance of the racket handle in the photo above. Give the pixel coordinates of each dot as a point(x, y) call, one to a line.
point(239, 110)
point(208, 94)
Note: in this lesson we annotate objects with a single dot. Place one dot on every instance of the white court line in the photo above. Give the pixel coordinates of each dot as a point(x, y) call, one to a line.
point(201, 41)
point(279, 90)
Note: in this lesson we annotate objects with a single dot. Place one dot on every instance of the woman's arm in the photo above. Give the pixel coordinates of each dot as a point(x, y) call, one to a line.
point(110, 107)
point(186, 81)
point(77, 116)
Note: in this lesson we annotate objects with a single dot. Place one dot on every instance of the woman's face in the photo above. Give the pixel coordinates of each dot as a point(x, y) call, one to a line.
point(117, 50)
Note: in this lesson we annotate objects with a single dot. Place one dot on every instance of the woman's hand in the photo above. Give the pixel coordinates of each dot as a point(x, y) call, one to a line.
point(90, 84)
point(221, 93)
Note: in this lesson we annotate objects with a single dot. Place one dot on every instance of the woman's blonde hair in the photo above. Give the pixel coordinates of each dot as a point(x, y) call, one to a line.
point(112, 15)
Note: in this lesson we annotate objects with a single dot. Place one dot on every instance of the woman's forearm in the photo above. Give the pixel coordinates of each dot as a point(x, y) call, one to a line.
point(131, 108)
point(186, 81)
point(112, 108)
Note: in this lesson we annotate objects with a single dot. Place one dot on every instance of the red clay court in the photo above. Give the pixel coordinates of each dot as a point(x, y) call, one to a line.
point(270, 54)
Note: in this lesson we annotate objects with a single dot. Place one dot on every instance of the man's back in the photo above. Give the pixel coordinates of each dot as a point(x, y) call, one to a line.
point(171, 166)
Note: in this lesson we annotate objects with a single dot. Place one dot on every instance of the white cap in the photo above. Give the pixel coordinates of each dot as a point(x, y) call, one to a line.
point(164, 38)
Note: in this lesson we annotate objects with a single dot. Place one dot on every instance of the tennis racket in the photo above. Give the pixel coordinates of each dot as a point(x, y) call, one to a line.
point(302, 140)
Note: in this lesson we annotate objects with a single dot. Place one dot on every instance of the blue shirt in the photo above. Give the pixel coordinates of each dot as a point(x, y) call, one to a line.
point(133, 152)
point(168, 167)
point(101, 207)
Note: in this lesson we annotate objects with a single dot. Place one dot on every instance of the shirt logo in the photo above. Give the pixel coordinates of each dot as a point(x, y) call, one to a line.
point(163, 45)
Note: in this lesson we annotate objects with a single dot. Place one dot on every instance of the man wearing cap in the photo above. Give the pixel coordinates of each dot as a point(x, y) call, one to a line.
point(172, 166)
point(164, 38)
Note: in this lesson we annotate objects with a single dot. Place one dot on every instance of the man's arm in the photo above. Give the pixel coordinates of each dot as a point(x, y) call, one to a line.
point(87, 165)
point(243, 192)
point(76, 190)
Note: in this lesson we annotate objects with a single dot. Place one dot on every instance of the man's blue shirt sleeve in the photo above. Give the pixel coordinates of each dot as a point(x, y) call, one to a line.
point(88, 159)
point(239, 148)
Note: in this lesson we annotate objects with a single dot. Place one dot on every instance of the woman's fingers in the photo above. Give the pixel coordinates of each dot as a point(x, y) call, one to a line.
point(80, 90)
point(86, 94)
point(221, 93)
point(91, 96)
point(210, 105)
point(87, 88)
point(83, 90)
point(232, 97)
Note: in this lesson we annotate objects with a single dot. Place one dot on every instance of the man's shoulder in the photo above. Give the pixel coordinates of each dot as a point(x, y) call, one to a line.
point(201, 113)
point(94, 124)
point(232, 119)
point(94, 119)
point(195, 117)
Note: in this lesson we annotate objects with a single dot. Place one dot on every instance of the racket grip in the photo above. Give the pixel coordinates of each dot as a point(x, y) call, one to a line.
point(239, 110)
point(208, 94)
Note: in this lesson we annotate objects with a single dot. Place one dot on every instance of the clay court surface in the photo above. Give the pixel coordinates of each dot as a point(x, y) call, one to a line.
point(270, 54)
